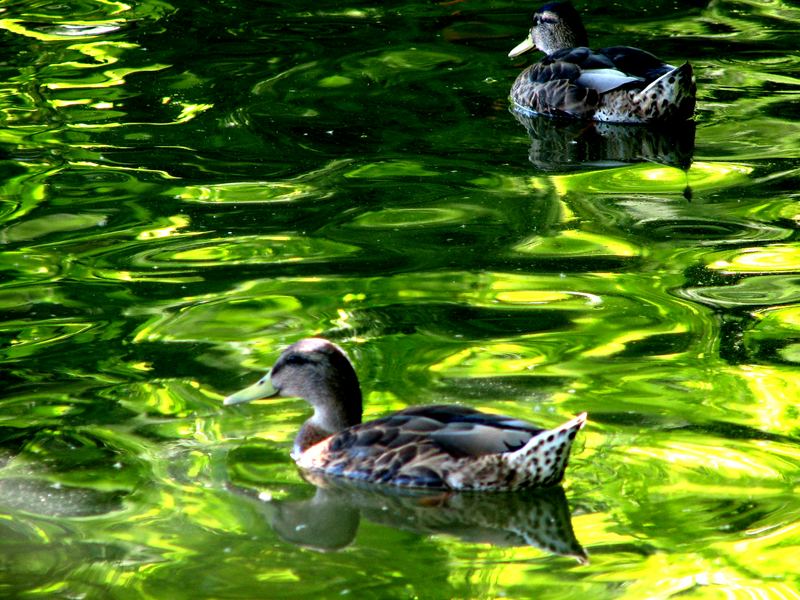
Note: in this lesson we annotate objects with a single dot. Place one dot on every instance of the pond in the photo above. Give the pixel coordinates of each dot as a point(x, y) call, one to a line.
point(188, 188)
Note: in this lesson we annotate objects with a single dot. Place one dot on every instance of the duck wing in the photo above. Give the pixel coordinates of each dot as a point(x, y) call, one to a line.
point(636, 62)
point(581, 56)
point(463, 432)
point(552, 88)
point(598, 70)
point(569, 82)
point(417, 446)
point(453, 430)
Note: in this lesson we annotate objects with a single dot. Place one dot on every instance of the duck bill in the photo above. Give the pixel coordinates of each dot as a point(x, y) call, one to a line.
point(263, 388)
point(523, 47)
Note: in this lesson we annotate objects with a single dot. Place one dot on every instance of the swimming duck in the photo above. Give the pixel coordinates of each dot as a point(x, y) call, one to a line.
point(440, 446)
point(618, 84)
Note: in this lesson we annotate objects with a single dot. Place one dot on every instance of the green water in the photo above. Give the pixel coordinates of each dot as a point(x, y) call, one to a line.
point(189, 187)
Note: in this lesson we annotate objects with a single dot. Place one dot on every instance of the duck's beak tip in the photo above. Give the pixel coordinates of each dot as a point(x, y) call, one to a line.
point(263, 388)
point(521, 48)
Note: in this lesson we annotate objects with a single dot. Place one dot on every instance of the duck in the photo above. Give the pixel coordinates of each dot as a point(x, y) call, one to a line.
point(445, 447)
point(619, 84)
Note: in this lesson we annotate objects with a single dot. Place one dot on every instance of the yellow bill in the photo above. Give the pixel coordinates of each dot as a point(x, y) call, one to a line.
point(523, 47)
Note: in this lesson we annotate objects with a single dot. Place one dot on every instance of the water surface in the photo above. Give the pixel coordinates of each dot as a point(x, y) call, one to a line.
point(186, 189)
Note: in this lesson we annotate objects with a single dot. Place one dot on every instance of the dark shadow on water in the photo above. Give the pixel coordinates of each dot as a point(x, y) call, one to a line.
point(329, 520)
point(564, 145)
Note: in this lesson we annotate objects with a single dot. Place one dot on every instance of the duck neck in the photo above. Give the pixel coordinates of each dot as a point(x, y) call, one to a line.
point(336, 410)
point(563, 40)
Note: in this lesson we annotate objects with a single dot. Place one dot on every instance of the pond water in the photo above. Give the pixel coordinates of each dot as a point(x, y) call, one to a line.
point(189, 187)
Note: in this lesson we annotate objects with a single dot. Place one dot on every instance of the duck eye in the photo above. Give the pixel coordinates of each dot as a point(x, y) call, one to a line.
point(296, 359)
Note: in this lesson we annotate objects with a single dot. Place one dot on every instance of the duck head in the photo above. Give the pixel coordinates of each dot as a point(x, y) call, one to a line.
point(556, 26)
point(319, 372)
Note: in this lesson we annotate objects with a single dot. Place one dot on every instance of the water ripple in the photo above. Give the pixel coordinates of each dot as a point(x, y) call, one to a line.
point(711, 232)
point(753, 292)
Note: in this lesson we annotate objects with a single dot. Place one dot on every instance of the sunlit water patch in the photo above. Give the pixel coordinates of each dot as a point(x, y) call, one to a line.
point(186, 189)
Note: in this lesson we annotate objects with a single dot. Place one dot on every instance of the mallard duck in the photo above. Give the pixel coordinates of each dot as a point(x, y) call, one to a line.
point(618, 84)
point(441, 446)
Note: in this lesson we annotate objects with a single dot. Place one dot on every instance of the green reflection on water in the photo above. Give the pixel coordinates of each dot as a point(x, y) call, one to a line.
point(186, 188)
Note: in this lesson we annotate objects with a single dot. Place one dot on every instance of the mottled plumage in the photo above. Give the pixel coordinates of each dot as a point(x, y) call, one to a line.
point(560, 145)
point(330, 519)
point(441, 446)
point(618, 84)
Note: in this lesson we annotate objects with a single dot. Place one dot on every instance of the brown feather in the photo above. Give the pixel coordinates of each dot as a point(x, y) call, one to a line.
point(617, 84)
point(439, 446)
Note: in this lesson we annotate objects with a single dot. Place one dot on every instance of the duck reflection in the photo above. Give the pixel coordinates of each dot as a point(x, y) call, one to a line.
point(567, 145)
point(329, 520)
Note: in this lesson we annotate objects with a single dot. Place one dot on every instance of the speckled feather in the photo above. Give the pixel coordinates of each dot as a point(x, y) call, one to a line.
point(618, 84)
point(440, 446)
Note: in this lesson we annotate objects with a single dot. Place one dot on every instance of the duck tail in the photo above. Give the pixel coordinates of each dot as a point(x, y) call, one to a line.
point(544, 458)
point(670, 97)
